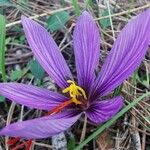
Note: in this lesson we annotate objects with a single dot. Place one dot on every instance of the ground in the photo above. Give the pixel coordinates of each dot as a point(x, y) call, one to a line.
point(132, 130)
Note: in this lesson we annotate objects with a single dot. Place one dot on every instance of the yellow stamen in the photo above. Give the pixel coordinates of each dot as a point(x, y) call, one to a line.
point(74, 91)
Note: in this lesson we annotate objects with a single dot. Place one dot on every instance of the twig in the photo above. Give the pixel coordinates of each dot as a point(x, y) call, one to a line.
point(143, 139)
point(140, 130)
point(125, 12)
point(84, 129)
point(110, 18)
point(43, 145)
point(67, 8)
point(40, 15)
point(139, 113)
point(66, 35)
point(9, 117)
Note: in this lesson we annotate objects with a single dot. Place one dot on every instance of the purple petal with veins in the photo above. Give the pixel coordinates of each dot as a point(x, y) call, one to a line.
point(46, 51)
point(31, 96)
point(125, 55)
point(86, 40)
point(42, 127)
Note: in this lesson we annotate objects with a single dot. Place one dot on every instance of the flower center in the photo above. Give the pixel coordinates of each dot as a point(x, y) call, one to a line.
point(74, 91)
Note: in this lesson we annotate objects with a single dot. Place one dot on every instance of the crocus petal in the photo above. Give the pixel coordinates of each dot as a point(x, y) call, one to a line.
point(42, 127)
point(46, 51)
point(31, 96)
point(101, 111)
point(126, 54)
point(86, 47)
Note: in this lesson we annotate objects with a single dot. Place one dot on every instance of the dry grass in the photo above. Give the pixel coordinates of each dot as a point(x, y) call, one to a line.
point(134, 127)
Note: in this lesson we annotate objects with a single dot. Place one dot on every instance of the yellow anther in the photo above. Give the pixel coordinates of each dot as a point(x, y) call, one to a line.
point(75, 101)
point(74, 91)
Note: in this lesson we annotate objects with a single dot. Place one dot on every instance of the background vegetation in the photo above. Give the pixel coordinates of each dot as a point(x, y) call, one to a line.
point(130, 128)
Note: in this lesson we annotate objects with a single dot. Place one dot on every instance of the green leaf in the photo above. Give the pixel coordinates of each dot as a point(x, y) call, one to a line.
point(57, 21)
point(147, 147)
point(105, 23)
point(7, 40)
point(142, 78)
point(63, 3)
point(118, 90)
point(148, 118)
point(36, 69)
point(2, 98)
point(21, 39)
point(101, 128)
point(2, 46)
point(5, 3)
point(71, 143)
point(16, 74)
point(89, 3)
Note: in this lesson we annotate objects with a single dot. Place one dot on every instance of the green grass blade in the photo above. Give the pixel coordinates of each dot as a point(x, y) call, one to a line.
point(118, 90)
point(110, 122)
point(76, 7)
point(88, 3)
point(2, 46)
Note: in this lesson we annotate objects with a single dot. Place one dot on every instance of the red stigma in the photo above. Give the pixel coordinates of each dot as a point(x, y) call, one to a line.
point(25, 144)
point(59, 107)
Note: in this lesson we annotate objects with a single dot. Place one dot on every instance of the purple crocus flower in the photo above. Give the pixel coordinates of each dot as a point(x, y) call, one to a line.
point(85, 95)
